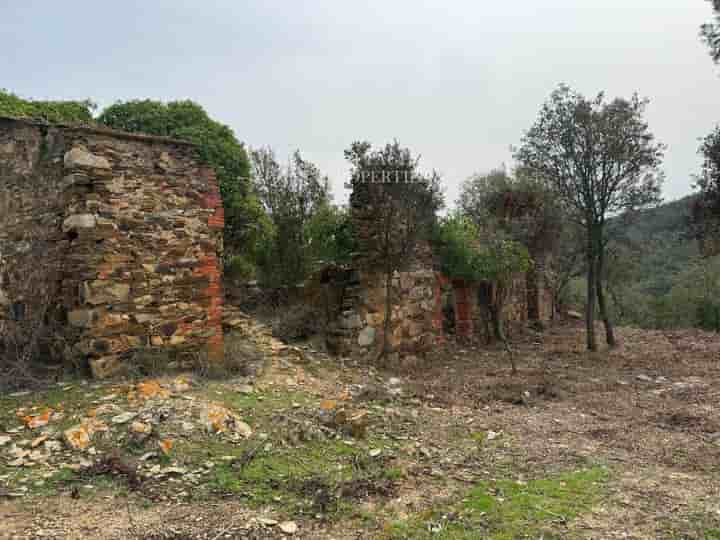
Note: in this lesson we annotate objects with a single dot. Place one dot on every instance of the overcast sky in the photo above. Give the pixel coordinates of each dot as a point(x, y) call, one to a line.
point(456, 81)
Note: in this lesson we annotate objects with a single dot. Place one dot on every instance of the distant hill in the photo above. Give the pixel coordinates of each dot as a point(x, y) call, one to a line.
point(659, 239)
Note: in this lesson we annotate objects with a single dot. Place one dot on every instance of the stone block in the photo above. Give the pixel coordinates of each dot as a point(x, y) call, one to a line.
point(104, 292)
point(80, 158)
point(107, 366)
point(351, 321)
point(367, 336)
point(82, 318)
point(79, 221)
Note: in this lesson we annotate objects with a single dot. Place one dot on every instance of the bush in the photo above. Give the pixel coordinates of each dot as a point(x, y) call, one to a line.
point(46, 111)
point(239, 268)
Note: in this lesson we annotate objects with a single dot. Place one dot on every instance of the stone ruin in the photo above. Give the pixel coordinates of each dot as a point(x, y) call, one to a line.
point(136, 225)
point(416, 318)
point(424, 300)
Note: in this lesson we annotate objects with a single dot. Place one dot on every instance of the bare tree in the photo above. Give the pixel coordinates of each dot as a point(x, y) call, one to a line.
point(29, 279)
point(601, 160)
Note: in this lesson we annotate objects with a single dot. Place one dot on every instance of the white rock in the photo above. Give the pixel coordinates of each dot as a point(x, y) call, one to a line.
point(81, 158)
point(4, 440)
point(288, 527)
point(123, 418)
point(366, 336)
point(79, 221)
point(243, 429)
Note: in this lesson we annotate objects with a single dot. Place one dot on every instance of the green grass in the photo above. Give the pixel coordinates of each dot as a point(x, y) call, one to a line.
point(695, 526)
point(257, 405)
point(278, 474)
point(73, 402)
point(508, 510)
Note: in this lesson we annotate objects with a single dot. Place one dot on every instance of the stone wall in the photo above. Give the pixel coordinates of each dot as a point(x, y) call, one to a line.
point(415, 290)
point(137, 222)
point(418, 294)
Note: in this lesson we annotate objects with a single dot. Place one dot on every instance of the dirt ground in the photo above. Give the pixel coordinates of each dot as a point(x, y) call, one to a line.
point(646, 414)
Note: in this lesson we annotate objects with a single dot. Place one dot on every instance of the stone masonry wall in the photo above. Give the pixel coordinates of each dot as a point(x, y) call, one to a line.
point(138, 225)
point(416, 314)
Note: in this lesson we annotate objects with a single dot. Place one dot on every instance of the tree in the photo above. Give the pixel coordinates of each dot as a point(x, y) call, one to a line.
point(291, 196)
point(710, 32)
point(217, 146)
point(401, 205)
point(705, 210)
point(601, 159)
point(330, 236)
point(492, 262)
point(520, 208)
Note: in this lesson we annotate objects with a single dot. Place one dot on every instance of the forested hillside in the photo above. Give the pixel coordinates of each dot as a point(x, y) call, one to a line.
point(658, 279)
point(659, 245)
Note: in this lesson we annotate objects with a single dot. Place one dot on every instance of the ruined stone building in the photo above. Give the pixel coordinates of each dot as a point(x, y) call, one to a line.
point(416, 313)
point(133, 226)
point(423, 301)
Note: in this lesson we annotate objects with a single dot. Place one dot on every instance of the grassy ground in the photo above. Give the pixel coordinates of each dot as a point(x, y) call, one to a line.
point(617, 444)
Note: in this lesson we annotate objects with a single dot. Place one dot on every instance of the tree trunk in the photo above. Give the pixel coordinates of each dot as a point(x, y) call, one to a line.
point(591, 284)
point(388, 313)
point(496, 307)
point(497, 324)
point(609, 333)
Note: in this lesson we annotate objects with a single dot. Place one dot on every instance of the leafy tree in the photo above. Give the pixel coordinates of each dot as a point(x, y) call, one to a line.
point(402, 207)
point(291, 196)
point(47, 111)
point(217, 146)
point(710, 32)
point(330, 235)
point(601, 159)
point(705, 212)
point(490, 261)
point(523, 209)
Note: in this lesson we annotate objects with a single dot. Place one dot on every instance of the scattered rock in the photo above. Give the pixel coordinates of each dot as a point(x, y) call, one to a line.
point(38, 441)
point(38, 421)
point(288, 527)
point(123, 418)
point(166, 446)
point(140, 428)
point(219, 419)
point(79, 437)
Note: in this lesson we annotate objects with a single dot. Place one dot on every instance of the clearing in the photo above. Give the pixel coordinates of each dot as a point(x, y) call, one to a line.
point(615, 444)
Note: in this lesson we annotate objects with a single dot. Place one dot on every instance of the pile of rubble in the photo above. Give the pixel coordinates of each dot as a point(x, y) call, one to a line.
point(151, 414)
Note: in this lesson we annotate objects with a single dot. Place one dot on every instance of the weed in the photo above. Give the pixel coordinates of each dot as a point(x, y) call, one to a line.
point(507, 509)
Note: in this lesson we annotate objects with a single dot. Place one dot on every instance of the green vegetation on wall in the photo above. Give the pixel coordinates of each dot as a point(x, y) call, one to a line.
point(217, 146)
point(46, 111)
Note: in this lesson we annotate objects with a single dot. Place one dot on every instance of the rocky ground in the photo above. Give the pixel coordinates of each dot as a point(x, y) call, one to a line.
point(615, 444)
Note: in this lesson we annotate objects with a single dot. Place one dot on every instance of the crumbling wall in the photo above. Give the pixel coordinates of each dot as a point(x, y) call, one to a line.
point(415, 292)
point(138, 223)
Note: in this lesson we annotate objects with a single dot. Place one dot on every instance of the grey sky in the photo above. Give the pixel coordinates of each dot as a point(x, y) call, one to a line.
point(457, 81)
